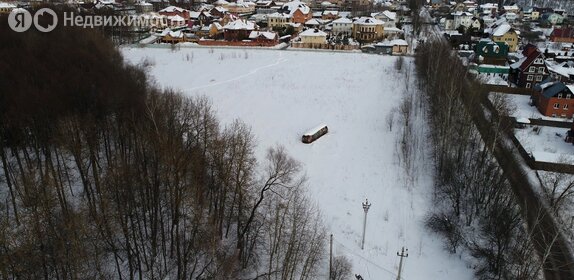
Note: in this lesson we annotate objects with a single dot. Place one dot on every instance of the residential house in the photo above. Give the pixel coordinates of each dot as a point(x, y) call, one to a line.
point(276, 20)
point(264, 38)
point(511, 9)
point(342, 26)
point(330, 15)
point(399, 46)
point(564, 35)
point(313, 37)
point(506, 34)
point(299, 11)
point(477, 25)
point(552, 19)
point(241, 7)
point(511, 17)
point(489, 8)
point(561, 71)
point(215, 30)
point(489, 52)
point(368, 29)
point(172, 11)
point(218, 11)
point(388, 17)
point(555, 100)
point(141, 7)
point(529, 70)
point(462, 19)
point(238, 30)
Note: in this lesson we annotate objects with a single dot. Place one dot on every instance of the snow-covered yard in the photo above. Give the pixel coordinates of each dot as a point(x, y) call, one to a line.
point(525, 110)
point(282, 94)
point(547, 145)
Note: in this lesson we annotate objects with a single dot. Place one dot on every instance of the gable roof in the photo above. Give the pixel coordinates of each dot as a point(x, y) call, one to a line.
point(313, 33)
point(566, 32)
point(296, 5)
point(240, 25)
point(263, 34)
point(501, 30)
point(556, 88)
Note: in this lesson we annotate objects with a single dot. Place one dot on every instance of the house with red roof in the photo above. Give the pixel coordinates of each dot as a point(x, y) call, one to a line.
point(530, 69)
point(563, 35)
point(173, 11)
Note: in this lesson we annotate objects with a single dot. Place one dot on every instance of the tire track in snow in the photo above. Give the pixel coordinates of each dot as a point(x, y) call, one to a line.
point(279, 61)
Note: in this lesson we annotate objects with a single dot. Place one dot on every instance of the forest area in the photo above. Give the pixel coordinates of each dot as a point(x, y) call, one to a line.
point(105, 176)
point(477, 213)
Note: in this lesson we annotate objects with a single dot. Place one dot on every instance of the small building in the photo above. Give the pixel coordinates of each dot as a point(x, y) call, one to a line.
point(552, 19)
point(299, 11)
point(264, 38)
point(330, 15)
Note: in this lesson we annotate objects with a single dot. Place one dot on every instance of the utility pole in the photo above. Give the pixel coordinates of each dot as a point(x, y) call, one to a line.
point(331, 258)
point(366, 206)
point(404, 253)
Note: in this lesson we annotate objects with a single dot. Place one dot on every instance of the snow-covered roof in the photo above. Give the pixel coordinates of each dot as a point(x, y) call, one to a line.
point(314, 130)
point(172, 9)
point(220, 3)
point(278, 15)
point(296, 5)
point(240, 25)
point(330, 12)
point(501, 30)
point(176, 18)
point(312, 22)
point(313, 33)
point(267, 35)
point(343, 20)
point(143, 3)
point(392, 30)
point(396, 42)
point(217, 25)
point(368, 21)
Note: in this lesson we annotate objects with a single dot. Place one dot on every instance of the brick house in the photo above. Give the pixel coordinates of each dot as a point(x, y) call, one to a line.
point(299, 11)
point(238, 30)
point(555, 100)
point(175, 11)
point(529, 70)
point(564, 35)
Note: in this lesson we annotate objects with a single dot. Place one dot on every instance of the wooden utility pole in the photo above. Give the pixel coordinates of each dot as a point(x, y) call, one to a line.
point(331, 258)
point(404, 253)
point(366, 206)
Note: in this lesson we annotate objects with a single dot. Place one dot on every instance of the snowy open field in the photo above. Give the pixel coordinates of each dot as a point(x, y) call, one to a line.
point(282, 94)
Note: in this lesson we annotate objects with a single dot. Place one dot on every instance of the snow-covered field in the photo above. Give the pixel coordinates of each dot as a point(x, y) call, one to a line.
point(547, 145)
point(282, 94)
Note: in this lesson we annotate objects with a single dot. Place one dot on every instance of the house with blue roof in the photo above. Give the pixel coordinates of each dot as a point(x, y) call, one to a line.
point(556, 99)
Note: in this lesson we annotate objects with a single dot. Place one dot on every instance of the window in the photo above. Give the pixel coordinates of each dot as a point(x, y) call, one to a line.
point(565, 107)
point(529, 78)
point(568, 96)
point(559, 95)
point(532, 69)
point(539, 78)
point(538, 61)
point(556, 105)
point(541, 70)
point(527, 85)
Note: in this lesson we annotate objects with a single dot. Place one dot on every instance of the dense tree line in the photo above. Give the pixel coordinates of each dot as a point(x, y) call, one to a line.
point(103, 176)
point(478, 211)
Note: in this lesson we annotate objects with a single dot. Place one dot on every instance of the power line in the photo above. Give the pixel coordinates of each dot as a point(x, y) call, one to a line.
point(365, 259)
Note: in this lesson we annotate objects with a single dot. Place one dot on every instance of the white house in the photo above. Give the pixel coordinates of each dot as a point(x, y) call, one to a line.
point(313, 36)
point(462, 18)
point(342, 26)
